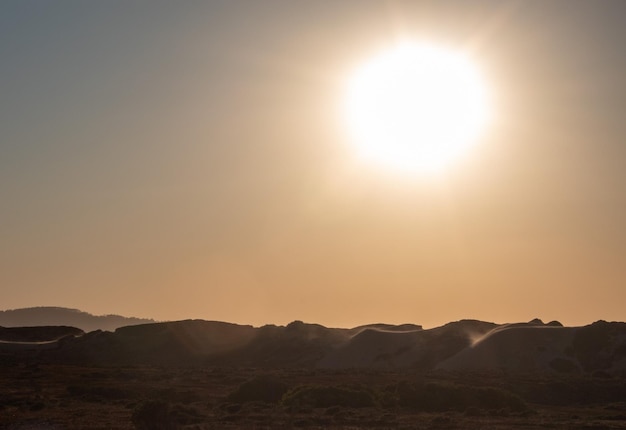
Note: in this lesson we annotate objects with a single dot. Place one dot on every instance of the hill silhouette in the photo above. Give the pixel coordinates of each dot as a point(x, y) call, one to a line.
point(59, 316)
point(37, 334)
point(466, 345)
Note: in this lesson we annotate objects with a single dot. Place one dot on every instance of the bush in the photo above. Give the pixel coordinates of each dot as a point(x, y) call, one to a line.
point(438, 397)
point(563, 365)
point(259, 389)
point(185, 415)
point(317, 396)
point(153, 415)
point(98, 393)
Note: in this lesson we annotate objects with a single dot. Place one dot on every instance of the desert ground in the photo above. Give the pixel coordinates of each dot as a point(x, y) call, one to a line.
point(36, 396)
point(197, 374)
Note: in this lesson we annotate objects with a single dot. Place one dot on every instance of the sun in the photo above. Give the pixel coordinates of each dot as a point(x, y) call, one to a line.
point(416, 107)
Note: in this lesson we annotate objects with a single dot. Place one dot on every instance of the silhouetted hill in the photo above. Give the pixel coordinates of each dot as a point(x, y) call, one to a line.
point(37, 334)
point(296, 345)
point(466, 345)
point(538, 347)
point(169, 343)
point(378, 346)
point(58, 316)
point(387, 327)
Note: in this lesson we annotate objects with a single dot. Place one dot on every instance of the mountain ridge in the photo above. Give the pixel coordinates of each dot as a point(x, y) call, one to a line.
point(62, 316)
point(459, 346)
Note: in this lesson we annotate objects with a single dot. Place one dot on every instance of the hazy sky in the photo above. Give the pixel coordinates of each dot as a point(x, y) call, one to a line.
point(188, 159)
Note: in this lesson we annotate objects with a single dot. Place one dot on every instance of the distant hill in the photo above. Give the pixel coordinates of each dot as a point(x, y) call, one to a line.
point(58, 316)
point(37, 334)
point(598, 349)
point(410, 347)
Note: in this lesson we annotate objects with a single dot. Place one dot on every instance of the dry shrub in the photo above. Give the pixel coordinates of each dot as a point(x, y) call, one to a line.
point(99, 393)
point(259, 389)
point(563, 365)
point(318, 396)
point(438, 397)
point(153, 415)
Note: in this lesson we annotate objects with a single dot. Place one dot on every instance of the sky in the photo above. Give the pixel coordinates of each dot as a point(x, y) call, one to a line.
point(189, 159)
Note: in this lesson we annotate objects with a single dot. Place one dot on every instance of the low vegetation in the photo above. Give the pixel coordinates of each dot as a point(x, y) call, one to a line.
point(320, 396)
point(261, 388)
point(440, 397)
point(72, 397)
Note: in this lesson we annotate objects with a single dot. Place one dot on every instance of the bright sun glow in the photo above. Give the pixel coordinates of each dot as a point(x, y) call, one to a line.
point(416, 108)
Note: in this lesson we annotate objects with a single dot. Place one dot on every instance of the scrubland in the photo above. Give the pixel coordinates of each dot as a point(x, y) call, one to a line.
point(44, 396)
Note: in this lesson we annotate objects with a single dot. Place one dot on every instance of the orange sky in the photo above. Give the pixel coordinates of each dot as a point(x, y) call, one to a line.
point(189, 160)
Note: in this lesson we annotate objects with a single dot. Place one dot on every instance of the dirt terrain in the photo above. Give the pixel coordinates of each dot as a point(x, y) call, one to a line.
point(70, 397)
point(198, 375)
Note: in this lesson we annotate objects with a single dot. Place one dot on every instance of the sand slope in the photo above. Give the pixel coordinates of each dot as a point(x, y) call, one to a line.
point(466, 345)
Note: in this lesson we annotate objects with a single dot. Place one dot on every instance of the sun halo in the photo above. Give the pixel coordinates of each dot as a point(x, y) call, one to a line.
point(416, 108)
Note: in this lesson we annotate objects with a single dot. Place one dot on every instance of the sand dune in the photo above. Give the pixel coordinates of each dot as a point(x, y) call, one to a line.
point(518, 347)
point(535, 347)
point(466, 345)
point(37, 334)
point(401, 348)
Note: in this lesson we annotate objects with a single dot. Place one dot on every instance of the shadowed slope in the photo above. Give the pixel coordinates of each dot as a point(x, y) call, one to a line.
point(37, 334)
point(171, 343)
point(298, 344)
point(26, 341)
point(386, 327)
point(535, 347)
point(417, 348)
point(519, 348)
point(466, 345)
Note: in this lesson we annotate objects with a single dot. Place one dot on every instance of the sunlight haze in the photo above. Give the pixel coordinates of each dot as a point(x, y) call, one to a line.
point(192, 159)
point(416, 107)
